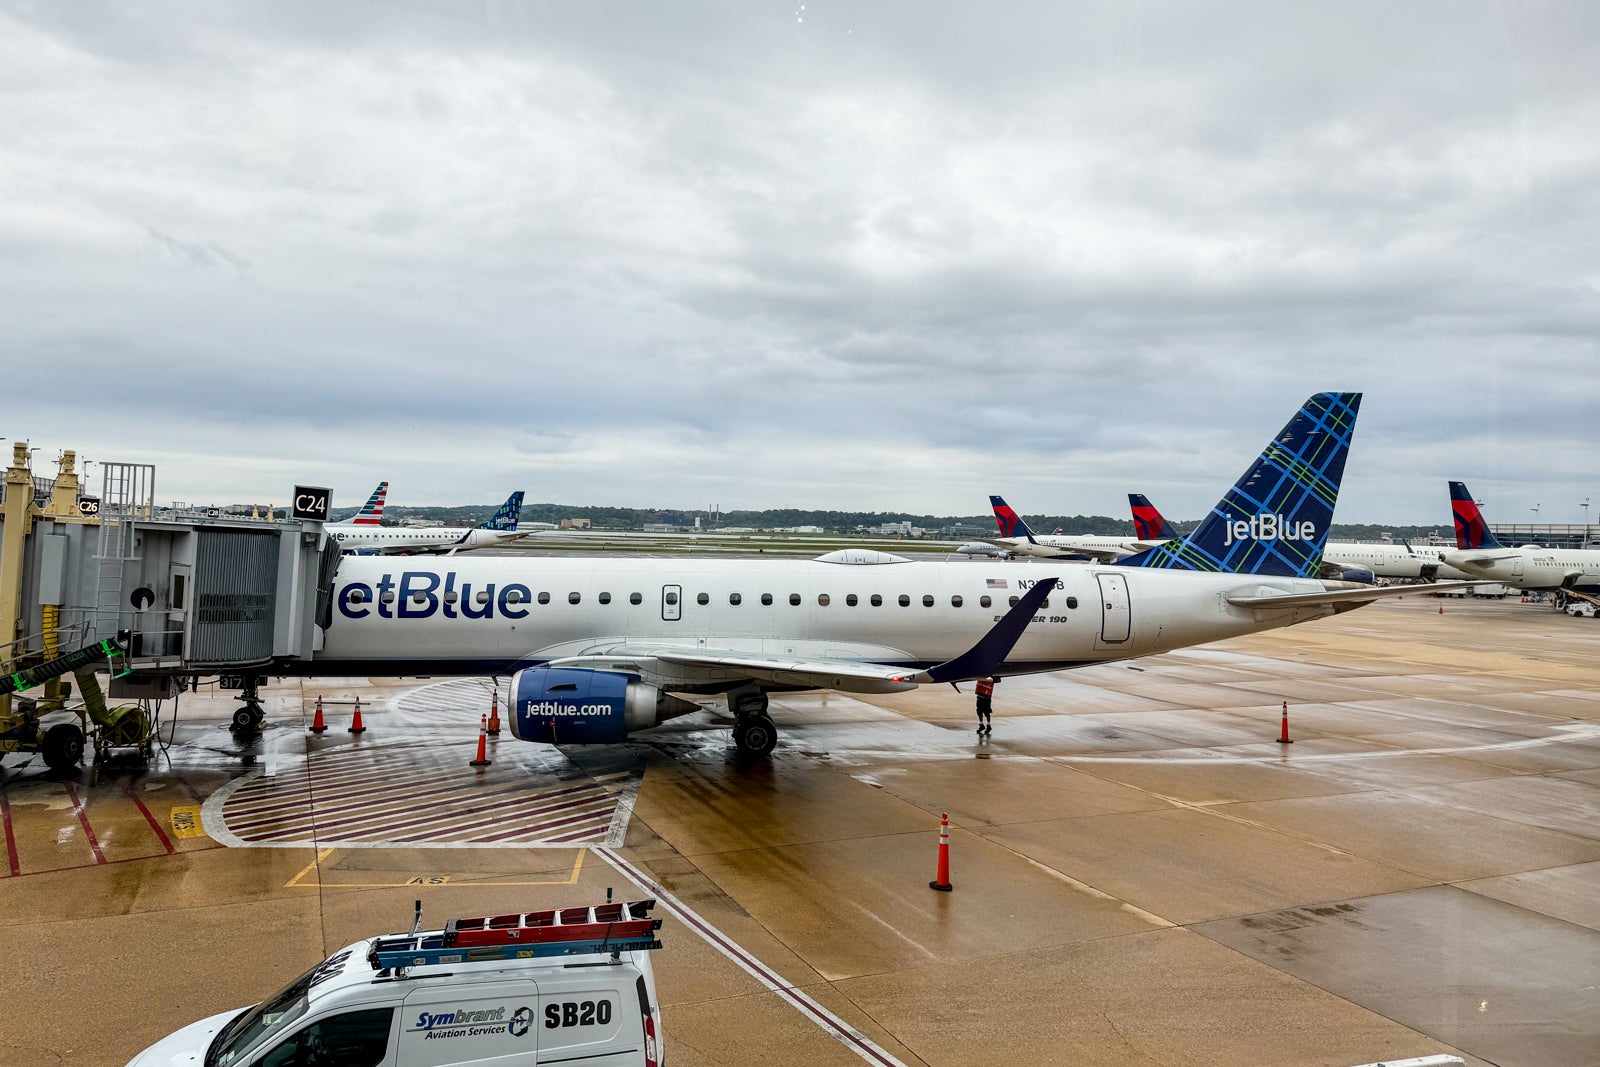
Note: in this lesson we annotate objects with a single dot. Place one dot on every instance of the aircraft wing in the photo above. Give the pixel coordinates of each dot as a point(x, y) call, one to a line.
point(1337, 597)
point(845, 675)
point(1481, 561)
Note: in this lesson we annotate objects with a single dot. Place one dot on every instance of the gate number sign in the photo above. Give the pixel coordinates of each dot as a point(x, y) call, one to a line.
point(310, 502)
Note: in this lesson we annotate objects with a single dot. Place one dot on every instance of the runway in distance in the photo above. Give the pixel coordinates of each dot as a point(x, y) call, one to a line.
point(1480, 554)
point(366, 539)
point(598, 645)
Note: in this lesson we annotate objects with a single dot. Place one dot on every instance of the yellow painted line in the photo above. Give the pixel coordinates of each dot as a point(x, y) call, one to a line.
point(308, 868)
point(186, 821)
point(430, 880)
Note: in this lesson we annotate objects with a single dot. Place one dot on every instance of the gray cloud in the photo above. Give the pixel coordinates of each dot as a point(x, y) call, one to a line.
point(898, 256)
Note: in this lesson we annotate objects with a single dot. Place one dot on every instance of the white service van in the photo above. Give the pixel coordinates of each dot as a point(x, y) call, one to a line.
point(503, 990)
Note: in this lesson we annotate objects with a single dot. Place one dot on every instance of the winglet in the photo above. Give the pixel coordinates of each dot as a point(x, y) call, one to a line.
point(1010, 523)
point(1471, 529)
point(985, 657)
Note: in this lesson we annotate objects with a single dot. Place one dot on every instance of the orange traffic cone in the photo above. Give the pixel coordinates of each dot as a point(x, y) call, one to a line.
point(1283, 738)
point(941, 881)
point(494, 715)
point(355, 724)
point(1441, 609)
point(483, 759)
point(317, 725)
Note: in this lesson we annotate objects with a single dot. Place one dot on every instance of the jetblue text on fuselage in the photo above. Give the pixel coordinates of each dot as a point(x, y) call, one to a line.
point(1268, 528)
point(418, 595)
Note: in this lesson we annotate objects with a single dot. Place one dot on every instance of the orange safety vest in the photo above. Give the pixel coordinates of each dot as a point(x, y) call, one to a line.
point(985, 687)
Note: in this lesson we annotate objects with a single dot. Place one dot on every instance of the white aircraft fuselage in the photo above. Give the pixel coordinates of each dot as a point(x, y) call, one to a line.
point(1530, 568)
point(494, 615)
point(1394, 561)
point(396, 540)
point(1053, 546)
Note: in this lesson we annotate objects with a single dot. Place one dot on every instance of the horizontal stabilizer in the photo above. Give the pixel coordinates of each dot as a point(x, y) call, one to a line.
point(1332, 597)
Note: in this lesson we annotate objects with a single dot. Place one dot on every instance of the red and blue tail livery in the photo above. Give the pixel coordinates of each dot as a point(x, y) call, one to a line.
point(1011, 524)
point(371, 513)
point(1275, 519)
point(1471, 530)
point(1148, 525)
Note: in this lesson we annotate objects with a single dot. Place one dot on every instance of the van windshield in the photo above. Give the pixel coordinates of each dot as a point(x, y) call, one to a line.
point(256, 1025)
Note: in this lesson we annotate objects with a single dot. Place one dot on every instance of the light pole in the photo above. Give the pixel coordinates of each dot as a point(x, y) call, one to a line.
point(1585, 506)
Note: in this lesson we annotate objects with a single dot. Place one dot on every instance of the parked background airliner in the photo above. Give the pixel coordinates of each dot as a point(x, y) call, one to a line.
point(1019, 539)
point(1481, 555)
point(598, 644)
point(369, 540)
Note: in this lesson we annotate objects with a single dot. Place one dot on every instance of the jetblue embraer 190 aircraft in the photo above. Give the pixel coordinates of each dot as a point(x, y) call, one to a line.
point(598, 644)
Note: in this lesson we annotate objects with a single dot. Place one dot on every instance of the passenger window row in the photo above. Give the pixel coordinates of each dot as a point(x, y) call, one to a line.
point(515, 596)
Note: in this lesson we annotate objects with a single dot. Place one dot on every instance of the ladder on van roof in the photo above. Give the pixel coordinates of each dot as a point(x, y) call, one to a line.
point(524, 935)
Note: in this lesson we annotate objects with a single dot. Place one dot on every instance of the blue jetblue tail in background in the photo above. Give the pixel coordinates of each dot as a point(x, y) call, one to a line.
point(506, 517)
point(1275, 519)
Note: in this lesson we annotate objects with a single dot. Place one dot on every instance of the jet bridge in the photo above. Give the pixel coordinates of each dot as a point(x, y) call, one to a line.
point(185, 592)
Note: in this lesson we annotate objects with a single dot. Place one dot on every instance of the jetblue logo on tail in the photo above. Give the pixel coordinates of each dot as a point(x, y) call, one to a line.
point(506, 517)
point(1268, 528)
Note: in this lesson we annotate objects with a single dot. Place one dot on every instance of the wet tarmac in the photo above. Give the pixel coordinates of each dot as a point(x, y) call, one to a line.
point(1142, 874)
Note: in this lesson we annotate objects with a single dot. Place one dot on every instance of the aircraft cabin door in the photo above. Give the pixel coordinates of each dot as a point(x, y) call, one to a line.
point(1115, 614)
point(1516, 567)
point(671, 603)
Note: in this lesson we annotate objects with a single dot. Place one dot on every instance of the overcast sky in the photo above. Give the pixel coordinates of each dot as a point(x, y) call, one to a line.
point(824, 255)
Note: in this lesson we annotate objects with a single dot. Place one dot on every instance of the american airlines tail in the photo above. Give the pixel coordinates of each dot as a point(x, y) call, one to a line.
point(505, 518)
point(1148, 525)
point(371, 513)
point(1471, 530)
point(1011, 524)
point(1275, 519)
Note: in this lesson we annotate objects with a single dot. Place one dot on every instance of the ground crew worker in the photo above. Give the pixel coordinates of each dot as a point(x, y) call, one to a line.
point(985, 698)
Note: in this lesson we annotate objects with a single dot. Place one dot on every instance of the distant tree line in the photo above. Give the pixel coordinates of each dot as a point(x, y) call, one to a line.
point(837, 522)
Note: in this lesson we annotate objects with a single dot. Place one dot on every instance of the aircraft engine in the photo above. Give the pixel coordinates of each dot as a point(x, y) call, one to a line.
point(574, 706)
point(1363, 575)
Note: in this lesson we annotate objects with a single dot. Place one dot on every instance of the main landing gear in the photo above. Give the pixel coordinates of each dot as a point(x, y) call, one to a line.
point(754, 732)
point(247, 718)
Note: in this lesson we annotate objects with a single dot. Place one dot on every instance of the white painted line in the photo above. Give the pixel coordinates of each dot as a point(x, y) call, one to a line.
point(831, 1024)
point(1420, 1061)
point(1568, 732)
